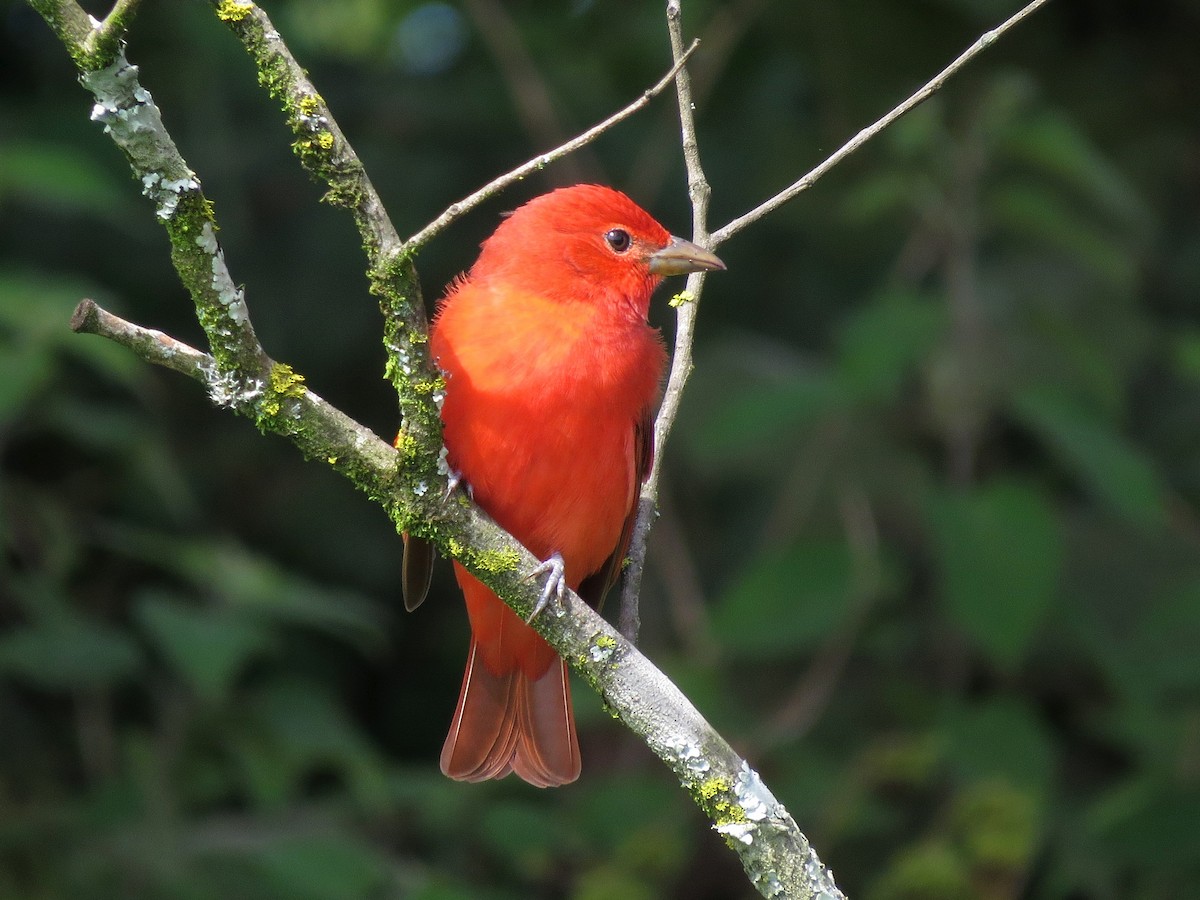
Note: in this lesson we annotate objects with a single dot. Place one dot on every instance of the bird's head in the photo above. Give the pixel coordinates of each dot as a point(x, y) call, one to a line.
point(588, 244)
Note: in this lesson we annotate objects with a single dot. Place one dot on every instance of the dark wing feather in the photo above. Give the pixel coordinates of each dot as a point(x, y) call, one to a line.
point(595, 586)
point(417, 570)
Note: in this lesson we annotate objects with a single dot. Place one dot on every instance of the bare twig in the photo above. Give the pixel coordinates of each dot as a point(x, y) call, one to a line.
point(928, 90)
point(541, 161)
point(720, 37)
point(107, 36)
point(685, 324)
point(148, 344)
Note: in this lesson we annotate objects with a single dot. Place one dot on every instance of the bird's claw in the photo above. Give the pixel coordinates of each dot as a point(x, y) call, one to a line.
point(453, 480)
point(555, 587)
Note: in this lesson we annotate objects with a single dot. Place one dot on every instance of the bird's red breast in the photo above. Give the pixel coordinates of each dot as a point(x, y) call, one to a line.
point(552, 376)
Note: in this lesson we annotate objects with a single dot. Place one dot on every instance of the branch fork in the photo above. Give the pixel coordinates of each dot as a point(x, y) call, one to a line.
point(238, 373)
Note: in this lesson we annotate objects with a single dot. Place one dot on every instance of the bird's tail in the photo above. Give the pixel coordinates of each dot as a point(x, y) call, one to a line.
point(512, 723)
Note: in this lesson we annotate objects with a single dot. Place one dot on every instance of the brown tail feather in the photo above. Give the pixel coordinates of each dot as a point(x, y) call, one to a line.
point(507, 723)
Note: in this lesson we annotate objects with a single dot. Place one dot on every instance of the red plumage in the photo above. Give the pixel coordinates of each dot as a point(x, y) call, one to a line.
point(552, 376)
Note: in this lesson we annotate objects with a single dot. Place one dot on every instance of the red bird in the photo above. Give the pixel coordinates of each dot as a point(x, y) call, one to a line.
point(552, 378)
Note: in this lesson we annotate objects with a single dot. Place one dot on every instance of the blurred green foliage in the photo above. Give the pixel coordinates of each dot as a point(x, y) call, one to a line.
point(930, 552)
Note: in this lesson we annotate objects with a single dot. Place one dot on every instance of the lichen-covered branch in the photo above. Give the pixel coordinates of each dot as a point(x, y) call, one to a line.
point(328, 157)
point(131, 118)
point(722, 784)
point(407, 480)
point(318, 429)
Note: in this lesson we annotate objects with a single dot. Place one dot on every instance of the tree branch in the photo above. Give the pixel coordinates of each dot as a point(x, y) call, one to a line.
point(930, 88)
point(685, 326)
point(328, 157)
point(239, 374)
point(721, 783)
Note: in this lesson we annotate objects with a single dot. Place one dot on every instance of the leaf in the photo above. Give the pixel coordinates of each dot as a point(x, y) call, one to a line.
point(885, 340)
point(1107, 463)
point(209, 647)
point(1003, 739)
point(1038, 214)
point(52, 174)
point(68, 653)
point(786, 601)
point(999, 552)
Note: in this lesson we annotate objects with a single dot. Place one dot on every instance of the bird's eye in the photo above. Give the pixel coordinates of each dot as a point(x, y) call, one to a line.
point(618, 239)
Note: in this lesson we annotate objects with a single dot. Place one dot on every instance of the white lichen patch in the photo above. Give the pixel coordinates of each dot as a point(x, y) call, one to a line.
point(130, 115)
point(421, 489)
point(443, 467)
point(170, 190)
point(223, 387)
point(229, 295)
point(601, 652)
point(207, 241)
point(402, 359)
point(742, 832)
point(690, 756)
point(754, 797)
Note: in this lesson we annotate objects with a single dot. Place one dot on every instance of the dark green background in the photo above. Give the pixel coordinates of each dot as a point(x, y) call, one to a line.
point(930, 551)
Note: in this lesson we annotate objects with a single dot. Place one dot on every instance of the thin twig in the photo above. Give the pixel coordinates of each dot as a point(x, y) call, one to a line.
point(109, 34)
point(148, 344)
point(930, 88)
point(722, 34)
point(327, 155)
point(541, 161)
point(685, 326)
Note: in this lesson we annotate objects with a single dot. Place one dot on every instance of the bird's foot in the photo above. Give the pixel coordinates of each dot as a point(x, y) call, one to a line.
point(555, 587)
point(453, 481)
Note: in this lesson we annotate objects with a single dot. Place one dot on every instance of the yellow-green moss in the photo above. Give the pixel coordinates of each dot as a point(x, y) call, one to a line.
point(406, 445)
point(233, 10)
point(681, 298)
point(310, 104)
point(283, 383)
point(428, 386)
point(711, 788)
point(505, 560)
point(286, 381)
point(712, 795)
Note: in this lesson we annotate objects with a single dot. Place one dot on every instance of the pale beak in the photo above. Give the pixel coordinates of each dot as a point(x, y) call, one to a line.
point(680, 257)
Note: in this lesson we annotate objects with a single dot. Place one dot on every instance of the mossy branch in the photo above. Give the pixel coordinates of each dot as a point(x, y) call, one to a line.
point(238, 374)
point(327, 156)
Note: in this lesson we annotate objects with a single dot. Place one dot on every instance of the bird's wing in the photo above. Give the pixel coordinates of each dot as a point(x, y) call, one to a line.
point(595, 586)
